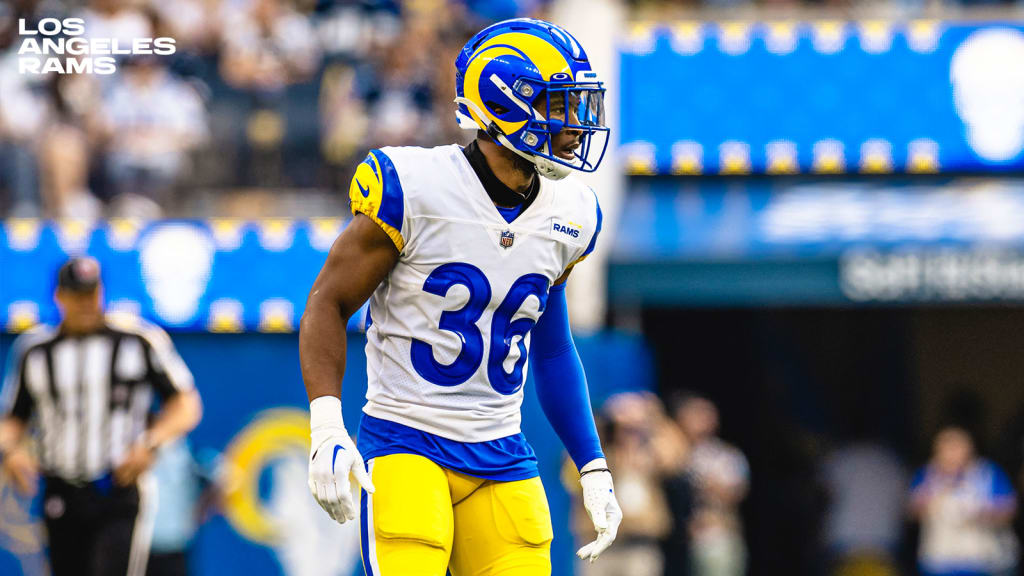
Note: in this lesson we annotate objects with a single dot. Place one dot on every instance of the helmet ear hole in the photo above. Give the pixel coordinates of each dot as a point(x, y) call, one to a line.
point(496, 108)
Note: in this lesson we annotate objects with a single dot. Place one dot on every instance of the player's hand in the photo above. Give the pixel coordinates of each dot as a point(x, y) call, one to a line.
point(604, 511)
point(21, 467)
point(332, 457)
point(138, 460)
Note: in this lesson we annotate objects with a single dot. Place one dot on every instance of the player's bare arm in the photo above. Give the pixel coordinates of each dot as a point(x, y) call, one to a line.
point(359, 260)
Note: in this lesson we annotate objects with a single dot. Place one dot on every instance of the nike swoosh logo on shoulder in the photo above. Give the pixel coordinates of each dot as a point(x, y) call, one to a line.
point(364, 191)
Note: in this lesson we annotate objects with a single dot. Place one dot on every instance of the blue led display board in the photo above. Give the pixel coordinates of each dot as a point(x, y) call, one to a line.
point(830, 97)
point(187, 275)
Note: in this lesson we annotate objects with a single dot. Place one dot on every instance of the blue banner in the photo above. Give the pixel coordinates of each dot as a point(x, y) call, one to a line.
point(211, 275)
point(767, 242)
point(668, 220)
point(825, 97)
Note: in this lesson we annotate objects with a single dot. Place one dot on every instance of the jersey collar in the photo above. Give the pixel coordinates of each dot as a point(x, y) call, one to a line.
point(499, 193)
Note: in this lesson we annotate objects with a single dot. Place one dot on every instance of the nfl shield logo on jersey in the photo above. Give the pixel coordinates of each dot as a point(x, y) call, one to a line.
point(507, 238)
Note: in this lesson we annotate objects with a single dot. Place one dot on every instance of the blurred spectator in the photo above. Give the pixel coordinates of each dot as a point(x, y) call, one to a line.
point(488, 11)
point(965, 504)
point(269, 53)
point(720, 477)
point(21, 117)
point(177, 509)
point(1012, 454)
point(151, 120)
point(116, 19)
point(865, 485)
point(267, 46)
point(343, 115)
point(64, 148)
point(44, 159)
point(398, 94)
point(194, 24)
point(641, 443)
point(21, 114)
point(353, 30)
point(676, 546)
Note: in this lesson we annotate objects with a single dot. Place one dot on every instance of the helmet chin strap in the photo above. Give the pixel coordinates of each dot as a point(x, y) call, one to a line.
point(550, 170)
point(545, 167)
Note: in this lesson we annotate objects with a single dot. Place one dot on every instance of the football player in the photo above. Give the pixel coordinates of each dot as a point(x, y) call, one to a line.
point(464, 254)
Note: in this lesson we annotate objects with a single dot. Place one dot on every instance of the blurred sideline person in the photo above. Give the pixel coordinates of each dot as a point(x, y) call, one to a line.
point(719, 474)
point(642, 444)
point(866, 487)
point(88, 386)
point(464, 254)
point(965, 504)
point(179, 489)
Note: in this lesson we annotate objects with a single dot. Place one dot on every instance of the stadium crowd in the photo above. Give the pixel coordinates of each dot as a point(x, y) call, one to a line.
point(682, 489)
point(260, 94)
point(679, 485)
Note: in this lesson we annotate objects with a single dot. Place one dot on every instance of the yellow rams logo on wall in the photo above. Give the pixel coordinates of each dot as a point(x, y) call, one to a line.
point(267, 499)
point(274, 434)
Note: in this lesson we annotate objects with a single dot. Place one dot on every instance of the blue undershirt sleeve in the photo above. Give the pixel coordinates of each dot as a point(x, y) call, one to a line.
point(561, 383)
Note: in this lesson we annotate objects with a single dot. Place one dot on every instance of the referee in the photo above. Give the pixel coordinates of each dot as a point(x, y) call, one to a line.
point(90, 386)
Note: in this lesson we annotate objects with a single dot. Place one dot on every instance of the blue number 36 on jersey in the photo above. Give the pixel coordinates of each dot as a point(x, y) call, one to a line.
point(463, 322)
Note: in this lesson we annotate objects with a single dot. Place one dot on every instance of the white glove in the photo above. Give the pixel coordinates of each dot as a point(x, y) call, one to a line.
point(332, 457)
point(599, 500)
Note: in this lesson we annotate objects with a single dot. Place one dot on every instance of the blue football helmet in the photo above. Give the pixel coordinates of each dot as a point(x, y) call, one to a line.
point(506, 78)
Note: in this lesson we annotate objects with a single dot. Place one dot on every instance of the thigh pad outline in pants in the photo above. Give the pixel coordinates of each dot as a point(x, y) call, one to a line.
point(407, 523)
point(503, 529)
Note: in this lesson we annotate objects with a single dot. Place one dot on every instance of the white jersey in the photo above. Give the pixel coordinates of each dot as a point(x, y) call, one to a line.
point(448, 339)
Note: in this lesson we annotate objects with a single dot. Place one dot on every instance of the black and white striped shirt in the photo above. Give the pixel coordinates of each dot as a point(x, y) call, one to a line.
point(91, 395)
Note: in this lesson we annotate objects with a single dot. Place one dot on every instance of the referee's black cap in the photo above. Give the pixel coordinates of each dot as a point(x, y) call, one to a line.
point(79, 274)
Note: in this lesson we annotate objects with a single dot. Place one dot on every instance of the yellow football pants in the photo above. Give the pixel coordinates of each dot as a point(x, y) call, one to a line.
point(424, 520)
